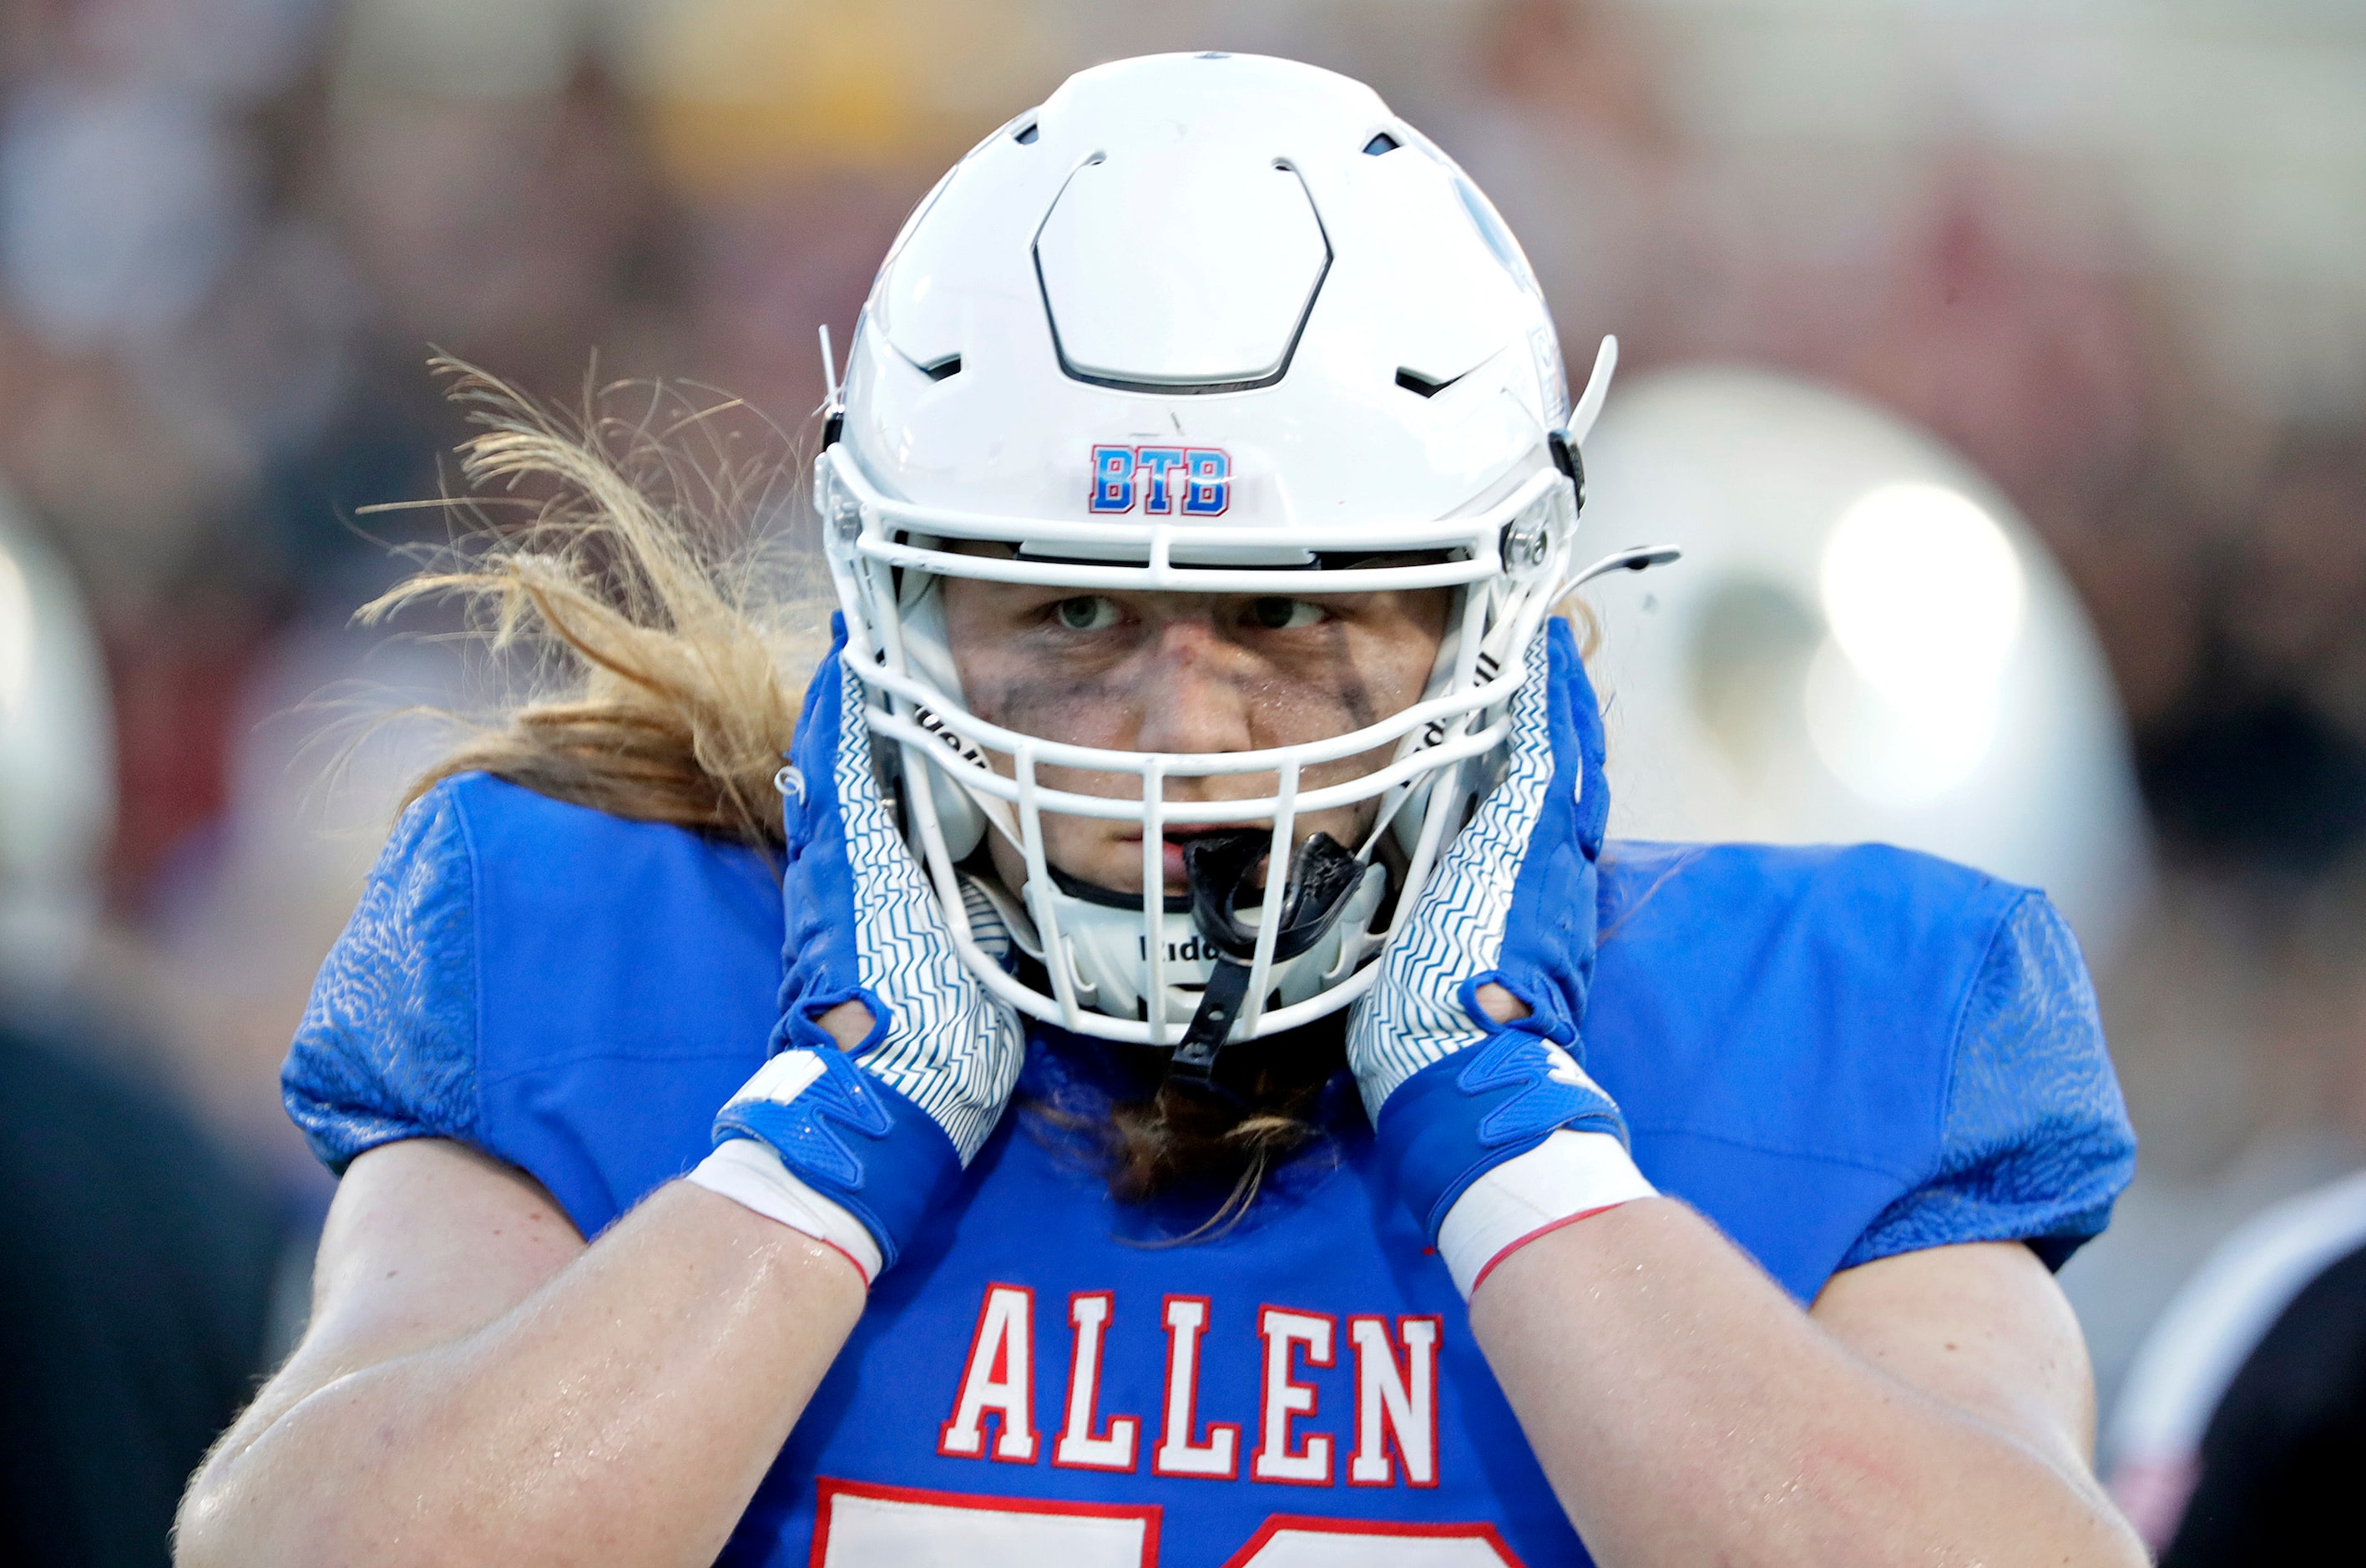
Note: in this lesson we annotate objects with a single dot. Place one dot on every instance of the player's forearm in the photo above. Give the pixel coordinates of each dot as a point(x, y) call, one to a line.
point(1687, 1412)
point(624, 1414)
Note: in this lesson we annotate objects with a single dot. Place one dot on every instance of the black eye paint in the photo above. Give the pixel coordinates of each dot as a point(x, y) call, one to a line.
point(1047, 691)
point(1353, 694)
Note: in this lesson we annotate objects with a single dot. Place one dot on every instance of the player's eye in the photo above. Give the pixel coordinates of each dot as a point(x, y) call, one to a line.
point(1089, 612)
point(1285, 615)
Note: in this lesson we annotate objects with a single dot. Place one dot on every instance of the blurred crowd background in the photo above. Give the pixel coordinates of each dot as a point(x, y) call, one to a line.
point(2107, 251)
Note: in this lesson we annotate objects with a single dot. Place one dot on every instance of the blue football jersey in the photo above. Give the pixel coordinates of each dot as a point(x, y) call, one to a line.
point(1836, 1054)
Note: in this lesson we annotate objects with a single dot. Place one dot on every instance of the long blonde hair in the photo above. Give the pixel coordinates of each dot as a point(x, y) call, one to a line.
point(672, 633)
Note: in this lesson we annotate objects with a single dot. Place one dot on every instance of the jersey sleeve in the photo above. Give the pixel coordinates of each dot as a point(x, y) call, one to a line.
point(388, 1047)
point(2036, 1143)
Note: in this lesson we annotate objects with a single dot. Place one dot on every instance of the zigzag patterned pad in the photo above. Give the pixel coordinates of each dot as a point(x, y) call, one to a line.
point(1414, 1015)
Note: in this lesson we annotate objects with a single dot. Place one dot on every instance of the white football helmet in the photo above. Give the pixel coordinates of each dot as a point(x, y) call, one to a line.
point(1197, 322)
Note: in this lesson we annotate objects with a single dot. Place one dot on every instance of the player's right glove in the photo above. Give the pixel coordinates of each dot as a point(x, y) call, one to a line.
point(855, 1147)
point(1493, 1132)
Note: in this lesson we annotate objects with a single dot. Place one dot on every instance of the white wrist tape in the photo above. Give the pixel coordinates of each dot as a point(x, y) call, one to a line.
point(751, 1174)
point(1567, 1177)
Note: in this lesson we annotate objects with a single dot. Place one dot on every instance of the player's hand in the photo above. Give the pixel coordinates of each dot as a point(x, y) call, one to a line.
point(1492, 1131)
point(878, 1130)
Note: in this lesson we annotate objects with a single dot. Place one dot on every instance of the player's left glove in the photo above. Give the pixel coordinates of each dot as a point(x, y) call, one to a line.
point(1493, 1132)
point(855, 1147)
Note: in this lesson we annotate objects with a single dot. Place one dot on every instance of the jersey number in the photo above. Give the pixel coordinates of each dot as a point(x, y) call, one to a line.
point(863, 1525)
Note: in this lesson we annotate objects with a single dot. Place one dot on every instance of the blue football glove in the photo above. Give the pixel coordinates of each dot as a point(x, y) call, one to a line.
point(882, 1132)
point(1492, 1133)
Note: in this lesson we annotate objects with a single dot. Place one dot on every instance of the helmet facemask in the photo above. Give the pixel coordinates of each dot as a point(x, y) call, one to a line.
point(1197, 966)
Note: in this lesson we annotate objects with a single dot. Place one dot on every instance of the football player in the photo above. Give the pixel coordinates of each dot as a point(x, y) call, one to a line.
point(1219, 1100)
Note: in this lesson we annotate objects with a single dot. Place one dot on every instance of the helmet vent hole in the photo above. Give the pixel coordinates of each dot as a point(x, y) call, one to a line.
point(1026, 133)
point(1420, 386)
point(948, 366)
point(1382, 144)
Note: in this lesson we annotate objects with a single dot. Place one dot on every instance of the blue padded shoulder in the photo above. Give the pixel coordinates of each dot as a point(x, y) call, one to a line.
point(2035, 1142)
point(1912, 1042)
point(570, 992)
point(388, 1047)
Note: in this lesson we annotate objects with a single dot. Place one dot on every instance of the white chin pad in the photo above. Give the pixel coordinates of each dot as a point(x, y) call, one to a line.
point(1110, 969)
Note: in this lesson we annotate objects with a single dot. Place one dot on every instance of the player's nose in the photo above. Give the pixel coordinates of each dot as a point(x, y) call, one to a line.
point(1196, 692)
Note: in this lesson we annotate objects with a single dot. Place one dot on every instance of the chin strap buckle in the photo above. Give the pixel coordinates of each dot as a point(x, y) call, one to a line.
point(1221, 868)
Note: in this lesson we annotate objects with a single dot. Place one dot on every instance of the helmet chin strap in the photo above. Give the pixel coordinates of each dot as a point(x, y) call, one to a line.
point(1219, 869)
